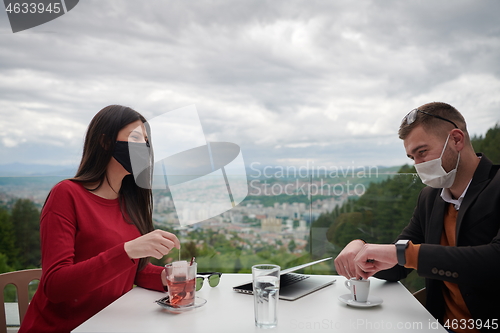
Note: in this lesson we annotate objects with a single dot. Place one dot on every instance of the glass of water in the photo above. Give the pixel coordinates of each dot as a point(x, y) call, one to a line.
point(266, 285)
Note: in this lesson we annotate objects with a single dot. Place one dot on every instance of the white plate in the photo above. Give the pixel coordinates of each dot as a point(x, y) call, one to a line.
point(164, 303)
point(372, 301)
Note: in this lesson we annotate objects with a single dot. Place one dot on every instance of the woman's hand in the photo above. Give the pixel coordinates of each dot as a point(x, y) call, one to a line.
point(163, 277)
point(155, 244)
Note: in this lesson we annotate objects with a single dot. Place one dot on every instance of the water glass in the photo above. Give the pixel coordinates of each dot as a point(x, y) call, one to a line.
point(266, 285)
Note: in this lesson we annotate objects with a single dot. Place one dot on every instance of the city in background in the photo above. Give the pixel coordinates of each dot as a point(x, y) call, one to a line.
point(292, 215)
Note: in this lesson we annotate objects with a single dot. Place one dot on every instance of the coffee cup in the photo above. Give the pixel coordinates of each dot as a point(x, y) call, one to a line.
point(359, 289)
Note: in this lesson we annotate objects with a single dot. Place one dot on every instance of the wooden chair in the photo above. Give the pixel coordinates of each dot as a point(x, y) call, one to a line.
point(20, 279)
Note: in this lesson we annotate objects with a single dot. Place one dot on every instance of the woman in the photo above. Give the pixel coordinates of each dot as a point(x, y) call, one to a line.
point(96, 229)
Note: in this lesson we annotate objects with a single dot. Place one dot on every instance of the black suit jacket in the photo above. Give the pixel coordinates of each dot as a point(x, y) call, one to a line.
point(474, 264)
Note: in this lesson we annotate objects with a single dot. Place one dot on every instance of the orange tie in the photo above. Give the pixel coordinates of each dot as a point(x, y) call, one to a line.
point(457, 314)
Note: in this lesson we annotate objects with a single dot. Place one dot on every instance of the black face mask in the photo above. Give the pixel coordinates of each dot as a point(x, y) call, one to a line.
point(133, 156)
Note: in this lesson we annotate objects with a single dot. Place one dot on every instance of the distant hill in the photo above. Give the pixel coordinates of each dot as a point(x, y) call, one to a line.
point(278, 172)
point(28, 170)
point(23, 170)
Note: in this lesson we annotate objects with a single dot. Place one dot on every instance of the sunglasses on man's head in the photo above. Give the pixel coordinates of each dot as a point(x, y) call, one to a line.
point(412, 116)
point(213, 279)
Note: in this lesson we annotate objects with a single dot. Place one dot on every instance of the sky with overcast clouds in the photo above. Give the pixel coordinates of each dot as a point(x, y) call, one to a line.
point(291, 82)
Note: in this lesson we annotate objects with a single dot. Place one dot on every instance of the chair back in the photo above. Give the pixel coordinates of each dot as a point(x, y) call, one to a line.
point(21, 279)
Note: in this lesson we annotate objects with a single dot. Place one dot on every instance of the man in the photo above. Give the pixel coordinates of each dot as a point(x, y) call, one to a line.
point(453, 238)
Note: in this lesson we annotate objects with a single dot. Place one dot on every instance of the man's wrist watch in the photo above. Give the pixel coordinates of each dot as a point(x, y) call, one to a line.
point(401, 246)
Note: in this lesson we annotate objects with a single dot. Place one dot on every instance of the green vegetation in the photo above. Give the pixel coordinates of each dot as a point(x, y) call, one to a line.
point(20, 236)
point(269, 200)
point(489, 144)
point(380, 214)
point(223, 252)
point(19, 241)
point(376, 217)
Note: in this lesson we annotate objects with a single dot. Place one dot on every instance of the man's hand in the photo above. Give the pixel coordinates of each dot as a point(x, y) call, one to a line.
point(155, 244)
point(344, 263)
point(373, 258)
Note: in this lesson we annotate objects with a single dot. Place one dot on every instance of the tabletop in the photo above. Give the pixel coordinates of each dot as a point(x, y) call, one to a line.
point(229, 311)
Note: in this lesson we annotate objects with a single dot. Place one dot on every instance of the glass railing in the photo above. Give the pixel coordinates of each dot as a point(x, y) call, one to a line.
point(295, 218)
point(289, 217)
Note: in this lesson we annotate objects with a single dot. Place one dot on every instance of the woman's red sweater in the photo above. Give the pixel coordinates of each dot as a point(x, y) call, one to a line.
point(84, 264)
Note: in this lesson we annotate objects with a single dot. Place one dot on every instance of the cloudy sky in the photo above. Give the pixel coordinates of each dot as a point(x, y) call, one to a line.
point(291, 82)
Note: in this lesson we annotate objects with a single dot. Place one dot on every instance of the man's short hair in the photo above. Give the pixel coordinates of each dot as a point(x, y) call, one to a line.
point(432, 124)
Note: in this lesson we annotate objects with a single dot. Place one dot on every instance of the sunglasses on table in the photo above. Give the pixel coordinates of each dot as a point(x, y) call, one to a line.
point(213, 279)
point(412, 116)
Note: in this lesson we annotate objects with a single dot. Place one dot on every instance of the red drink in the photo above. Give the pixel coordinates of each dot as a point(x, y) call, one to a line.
point(181, 283)
point(181, 292)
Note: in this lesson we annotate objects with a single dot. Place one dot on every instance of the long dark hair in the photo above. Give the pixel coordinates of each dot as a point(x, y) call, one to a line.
point(136, 203)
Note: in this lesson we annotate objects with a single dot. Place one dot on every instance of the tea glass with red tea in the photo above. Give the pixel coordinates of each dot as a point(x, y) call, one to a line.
point(181, 283)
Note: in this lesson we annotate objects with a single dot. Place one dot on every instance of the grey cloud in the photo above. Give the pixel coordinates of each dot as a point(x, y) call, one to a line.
point(262, 74)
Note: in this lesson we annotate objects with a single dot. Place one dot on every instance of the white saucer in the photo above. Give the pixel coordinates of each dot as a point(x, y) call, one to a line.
point(372, 301)
point(164, 303)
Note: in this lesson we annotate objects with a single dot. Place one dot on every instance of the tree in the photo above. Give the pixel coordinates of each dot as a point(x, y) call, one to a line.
point(7, 238)
point(4, 267)
point(26, 224)
point(189, 250)
point(489, 145)
point(237, 265)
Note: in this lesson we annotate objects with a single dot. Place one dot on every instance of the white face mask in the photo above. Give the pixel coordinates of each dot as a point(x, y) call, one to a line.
point(432, 173)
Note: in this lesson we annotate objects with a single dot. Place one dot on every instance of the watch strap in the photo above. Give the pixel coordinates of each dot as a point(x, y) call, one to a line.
point(401, 246)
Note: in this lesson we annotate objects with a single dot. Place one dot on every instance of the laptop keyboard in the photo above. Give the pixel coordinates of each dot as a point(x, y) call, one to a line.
point(291, 278)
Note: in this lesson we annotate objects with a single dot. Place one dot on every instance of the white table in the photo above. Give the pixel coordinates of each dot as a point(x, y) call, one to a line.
point(228, 311)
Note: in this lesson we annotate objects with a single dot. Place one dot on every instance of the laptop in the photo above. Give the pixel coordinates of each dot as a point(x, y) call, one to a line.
point(294, 285)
